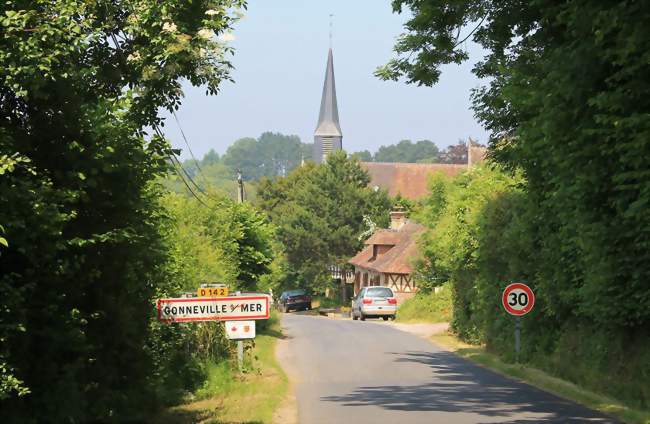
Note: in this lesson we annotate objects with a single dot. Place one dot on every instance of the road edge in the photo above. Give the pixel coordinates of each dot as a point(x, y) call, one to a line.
point(287, 411)
point(541, 380)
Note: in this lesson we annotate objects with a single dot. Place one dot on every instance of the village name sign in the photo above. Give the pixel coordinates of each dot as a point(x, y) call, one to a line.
point(230, 308)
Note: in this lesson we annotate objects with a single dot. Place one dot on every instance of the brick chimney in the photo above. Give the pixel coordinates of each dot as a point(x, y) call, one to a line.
point(397, 219)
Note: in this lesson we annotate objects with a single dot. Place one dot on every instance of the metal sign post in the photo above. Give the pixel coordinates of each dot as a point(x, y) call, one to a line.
point(518, 299)
point(517, 338)
point(240, 355)
point(240, 330)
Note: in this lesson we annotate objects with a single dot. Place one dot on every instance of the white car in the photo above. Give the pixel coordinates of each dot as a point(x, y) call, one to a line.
point(374, 302)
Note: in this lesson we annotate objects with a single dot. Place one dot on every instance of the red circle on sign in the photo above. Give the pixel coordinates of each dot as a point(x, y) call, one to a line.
point(518, 299)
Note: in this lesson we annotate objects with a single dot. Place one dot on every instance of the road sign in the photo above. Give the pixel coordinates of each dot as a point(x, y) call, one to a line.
point(518, 299)
point(213, 308)
point(237, 330)
point(212, 291)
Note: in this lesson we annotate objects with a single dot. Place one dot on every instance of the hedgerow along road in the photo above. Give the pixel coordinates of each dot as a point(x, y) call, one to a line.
point(351, 372)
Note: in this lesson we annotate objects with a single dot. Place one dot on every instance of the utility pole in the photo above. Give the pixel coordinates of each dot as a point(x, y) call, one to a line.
point(240, 188)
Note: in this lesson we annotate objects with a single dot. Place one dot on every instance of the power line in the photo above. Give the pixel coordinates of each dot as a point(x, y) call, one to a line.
point(196, 162)
point(180, 165)
point(176, 164)
point(172, 158)
point(187, 185)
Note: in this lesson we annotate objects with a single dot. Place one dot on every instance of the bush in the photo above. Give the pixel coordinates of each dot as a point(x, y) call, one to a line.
point(427, 307)
point(485, 232)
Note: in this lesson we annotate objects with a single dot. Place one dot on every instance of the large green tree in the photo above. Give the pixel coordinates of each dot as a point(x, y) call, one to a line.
point(567, 100)
point(79, 83)
point(319, 212)
point(270, 155)
point(407, 151)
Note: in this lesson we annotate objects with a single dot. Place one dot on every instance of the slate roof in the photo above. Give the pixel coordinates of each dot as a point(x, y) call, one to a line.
point(328, 118)
point(397, 259)
point(408, 179)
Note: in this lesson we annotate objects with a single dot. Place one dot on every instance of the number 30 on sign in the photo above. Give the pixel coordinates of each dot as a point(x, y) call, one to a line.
point(518, 299)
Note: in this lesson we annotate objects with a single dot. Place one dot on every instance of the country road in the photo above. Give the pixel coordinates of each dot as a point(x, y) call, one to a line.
point(367, 372)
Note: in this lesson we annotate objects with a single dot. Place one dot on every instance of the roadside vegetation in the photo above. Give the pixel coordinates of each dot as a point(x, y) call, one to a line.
point(426, 306)
point(544, 380)
point(227, 396)
point(562, 203)
point(90, 237)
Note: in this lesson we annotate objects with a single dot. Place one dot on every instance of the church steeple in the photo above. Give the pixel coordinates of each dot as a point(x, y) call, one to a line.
point(328, 136)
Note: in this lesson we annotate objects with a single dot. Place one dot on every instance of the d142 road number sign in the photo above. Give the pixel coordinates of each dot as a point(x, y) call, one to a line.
point(518, 299)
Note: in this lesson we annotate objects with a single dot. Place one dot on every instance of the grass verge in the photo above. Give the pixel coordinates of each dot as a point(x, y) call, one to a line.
point(227, 397)
point(427, 307)
point(325, 302)
point(544, 381)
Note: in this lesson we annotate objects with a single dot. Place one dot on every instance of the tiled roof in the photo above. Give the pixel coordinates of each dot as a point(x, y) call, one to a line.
point(408, 179)
point(397, 259)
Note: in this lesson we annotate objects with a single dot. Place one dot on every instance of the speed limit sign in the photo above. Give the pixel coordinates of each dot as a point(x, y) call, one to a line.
point(518, 299)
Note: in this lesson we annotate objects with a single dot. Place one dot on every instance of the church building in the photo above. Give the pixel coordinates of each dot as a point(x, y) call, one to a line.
point(328, 136)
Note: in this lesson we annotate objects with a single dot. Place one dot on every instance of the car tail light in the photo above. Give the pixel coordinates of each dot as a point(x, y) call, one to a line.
point(392, 301)
point(367, 301)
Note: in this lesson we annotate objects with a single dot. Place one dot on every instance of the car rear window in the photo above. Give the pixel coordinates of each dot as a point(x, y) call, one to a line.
point(296, 293)
point(379, 292)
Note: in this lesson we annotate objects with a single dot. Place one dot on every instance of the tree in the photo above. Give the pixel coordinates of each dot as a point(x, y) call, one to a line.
point(362, 156)
point(210, 158)
point(407, 151)
point(270, 155)
point(456, 153)
point(79, 84)
point(565, 127)
point(567, 101)
point(319, 212)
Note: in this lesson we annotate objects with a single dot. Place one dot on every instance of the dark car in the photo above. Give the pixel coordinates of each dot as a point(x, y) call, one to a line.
point(294, 299)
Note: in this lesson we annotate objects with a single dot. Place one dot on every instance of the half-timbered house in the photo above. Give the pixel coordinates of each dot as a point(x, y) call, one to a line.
point(386, 258)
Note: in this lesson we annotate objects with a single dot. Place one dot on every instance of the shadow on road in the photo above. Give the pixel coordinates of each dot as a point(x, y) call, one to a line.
point(457, 385)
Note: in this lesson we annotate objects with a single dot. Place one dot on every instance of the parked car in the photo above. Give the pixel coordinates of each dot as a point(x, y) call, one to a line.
point(374, 302)
point(294, 299)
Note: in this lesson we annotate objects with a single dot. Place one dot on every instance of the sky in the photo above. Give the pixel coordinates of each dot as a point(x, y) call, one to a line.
point(281, 52)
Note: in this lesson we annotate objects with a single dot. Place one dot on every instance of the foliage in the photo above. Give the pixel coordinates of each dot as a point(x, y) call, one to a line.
point(423, 151)
point(227, 396)
point(579, 232)
point(318, 212)
point(578, 140)
point(271, 155)
point(407, 151)
point(362, 156)
point(86, 255)
point(483, 234)
point(427, 306)
point(223, 243)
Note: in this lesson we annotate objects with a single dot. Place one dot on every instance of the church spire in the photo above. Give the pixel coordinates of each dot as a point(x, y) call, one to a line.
point(328, 136)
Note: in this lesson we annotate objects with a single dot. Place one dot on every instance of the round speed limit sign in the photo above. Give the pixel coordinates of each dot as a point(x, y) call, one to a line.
point(518, 299)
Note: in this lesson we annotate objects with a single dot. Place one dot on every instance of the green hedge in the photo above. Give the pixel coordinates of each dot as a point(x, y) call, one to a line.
point(484, 233)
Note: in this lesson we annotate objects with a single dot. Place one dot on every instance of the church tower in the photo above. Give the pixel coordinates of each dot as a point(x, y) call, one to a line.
point(328, 136)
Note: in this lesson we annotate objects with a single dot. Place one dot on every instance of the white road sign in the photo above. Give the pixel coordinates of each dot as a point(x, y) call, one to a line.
point(213, 308)
point(237, 330)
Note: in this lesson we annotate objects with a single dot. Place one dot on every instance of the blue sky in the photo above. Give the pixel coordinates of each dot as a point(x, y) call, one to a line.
point(281, 52)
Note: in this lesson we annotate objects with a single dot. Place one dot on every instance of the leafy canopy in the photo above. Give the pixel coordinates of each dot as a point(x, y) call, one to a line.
point(79, 84)
point(319, 214)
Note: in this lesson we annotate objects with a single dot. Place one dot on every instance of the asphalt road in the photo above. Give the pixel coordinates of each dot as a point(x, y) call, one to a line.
point(348, 371)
